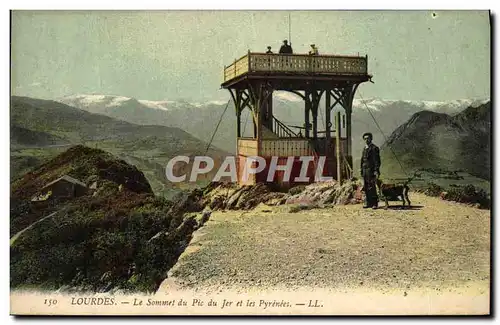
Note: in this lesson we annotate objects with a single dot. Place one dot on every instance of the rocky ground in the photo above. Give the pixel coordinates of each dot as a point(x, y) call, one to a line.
point(436, 245)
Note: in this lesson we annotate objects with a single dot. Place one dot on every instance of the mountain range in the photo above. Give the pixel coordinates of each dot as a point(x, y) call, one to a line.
point(442, 142)
point(200, 119)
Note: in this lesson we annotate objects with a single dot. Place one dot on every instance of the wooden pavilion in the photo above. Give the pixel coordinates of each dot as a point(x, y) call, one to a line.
point(254, 77)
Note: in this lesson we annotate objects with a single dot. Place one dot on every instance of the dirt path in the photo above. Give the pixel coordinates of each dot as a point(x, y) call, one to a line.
point(16, 236)
point(438, 246)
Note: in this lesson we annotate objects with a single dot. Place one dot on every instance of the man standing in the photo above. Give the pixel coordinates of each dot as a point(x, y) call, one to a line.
point(285, 48)
point(370, 171)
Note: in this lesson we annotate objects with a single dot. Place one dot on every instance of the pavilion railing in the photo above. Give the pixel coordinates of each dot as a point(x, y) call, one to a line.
point(297, 63)
point(281, 130)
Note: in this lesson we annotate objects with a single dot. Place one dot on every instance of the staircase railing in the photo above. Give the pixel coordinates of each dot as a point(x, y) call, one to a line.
point(282, 130)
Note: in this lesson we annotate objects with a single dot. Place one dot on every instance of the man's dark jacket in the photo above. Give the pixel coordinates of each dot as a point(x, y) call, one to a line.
point(370, 161)
point(286, 49)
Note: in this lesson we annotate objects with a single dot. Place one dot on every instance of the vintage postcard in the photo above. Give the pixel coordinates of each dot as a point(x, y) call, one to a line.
point(250, 163)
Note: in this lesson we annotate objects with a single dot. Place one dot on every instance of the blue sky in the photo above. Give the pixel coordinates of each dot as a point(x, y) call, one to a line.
point(171, 55)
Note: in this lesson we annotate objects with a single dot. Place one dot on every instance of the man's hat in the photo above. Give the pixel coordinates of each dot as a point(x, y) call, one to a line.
point(285, 41)
point(268, 47)
point(367, 133)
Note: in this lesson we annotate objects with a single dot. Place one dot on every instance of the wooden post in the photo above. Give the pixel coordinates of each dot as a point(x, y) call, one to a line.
point(348, 93)
point(238, 124)
point(327, 117)
point(254, 124)
point(248, 56)
point(269, 110)
point(348, 113)
point(259, 104)
point(306, 116)
point(337, 146)
point(328, 135)
point(258, 111)
point(237, 105)
point(315, 104)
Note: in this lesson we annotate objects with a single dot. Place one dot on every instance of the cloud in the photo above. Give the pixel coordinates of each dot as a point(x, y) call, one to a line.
point(288, 96)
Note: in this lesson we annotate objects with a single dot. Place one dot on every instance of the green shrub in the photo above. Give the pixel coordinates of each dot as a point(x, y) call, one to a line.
point(468, 194)
point(101, 243)
point(433, 189)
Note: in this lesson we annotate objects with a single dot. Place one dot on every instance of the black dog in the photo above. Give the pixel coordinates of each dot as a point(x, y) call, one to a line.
point(394, 192)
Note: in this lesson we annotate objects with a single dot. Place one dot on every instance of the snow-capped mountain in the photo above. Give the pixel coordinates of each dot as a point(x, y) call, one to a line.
point(200, 119)
point(96, 103)
point(448, 107)
point(101, 102)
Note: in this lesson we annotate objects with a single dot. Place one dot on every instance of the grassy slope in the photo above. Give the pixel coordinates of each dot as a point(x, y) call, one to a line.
point(77, 247)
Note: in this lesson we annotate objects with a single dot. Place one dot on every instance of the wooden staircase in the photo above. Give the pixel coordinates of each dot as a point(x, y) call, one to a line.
point(281, 130)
